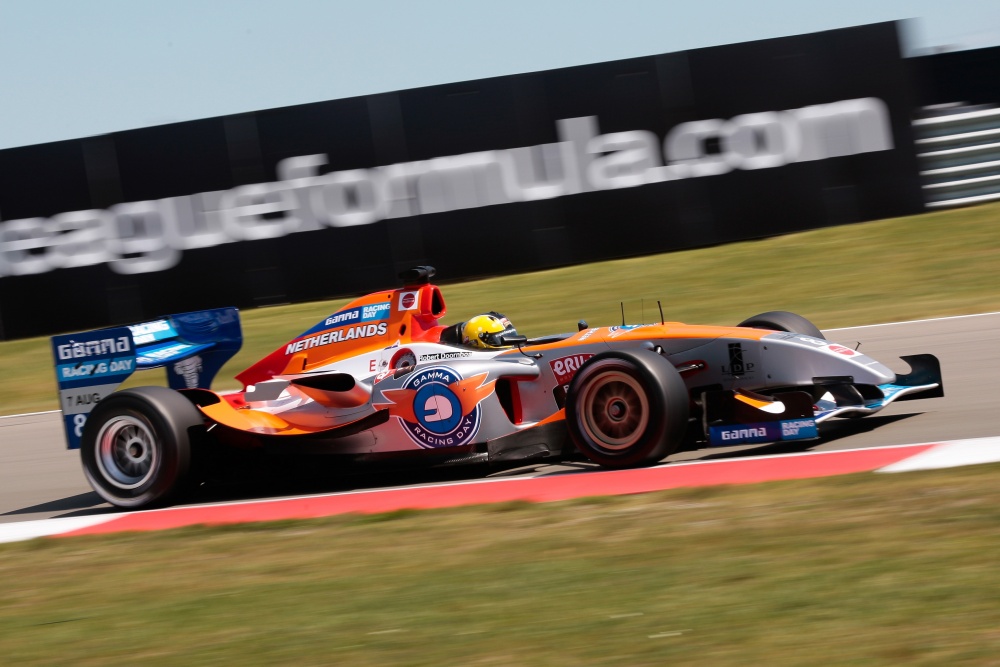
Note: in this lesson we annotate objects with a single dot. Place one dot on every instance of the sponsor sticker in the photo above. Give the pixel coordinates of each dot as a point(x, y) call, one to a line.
point(337, 336)
point(93, 370)
point(748, 434)
point(742, 434)
point(840, 349)
point(442, 356)
point(818, 342)
point(409, 300)
point(371, 313)
point(738, 366)
point(565, 368)
point(91, 348)
point(81, 401)
point(151, 331)
point(437, 407)
point(809, 340)
point(402, 359)
point(163, 353)
point(798, 429)
point(190, 370)
point(616, 330)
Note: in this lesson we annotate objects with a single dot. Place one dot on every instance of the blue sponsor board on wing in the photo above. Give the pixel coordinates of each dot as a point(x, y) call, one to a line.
point(749, 434)
point(798, 429)
point(89, 366)
point(155, 356)
point(82, 358)
point(150, 332)
point(95, 370)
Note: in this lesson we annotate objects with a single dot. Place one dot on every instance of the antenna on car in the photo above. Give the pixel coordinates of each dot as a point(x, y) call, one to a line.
point(622, 303)
point(519, 341)
point(520, 348)
point(660, 306)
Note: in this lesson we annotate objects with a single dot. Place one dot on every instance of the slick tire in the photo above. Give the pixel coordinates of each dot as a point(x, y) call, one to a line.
point(780, 320)
point(136, 446)
point(627, 408)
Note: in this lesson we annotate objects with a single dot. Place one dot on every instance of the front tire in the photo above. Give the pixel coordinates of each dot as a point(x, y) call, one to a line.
point(136, 446)
point(781, 320)
point(627, 409)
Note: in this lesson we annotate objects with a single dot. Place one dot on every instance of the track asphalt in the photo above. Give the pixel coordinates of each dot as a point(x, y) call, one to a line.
point(562, 486)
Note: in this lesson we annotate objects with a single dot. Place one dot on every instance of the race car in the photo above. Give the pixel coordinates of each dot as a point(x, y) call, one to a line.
point(387, 376)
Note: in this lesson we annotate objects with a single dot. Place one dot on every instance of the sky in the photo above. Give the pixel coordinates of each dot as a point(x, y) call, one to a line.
point(76, 68)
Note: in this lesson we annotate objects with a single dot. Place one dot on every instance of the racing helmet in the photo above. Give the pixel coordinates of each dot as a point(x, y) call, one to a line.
point(486, 330)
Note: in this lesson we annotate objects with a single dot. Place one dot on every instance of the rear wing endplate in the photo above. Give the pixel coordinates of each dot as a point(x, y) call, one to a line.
point(92, 364)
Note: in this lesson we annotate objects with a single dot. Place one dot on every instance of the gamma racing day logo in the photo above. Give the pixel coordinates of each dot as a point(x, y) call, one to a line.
point(437, 407)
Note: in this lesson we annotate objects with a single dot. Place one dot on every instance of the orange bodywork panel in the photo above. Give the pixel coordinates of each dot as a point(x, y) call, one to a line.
point(558, 415)
point(252, 421)
point(367, 324)
point(667, 330)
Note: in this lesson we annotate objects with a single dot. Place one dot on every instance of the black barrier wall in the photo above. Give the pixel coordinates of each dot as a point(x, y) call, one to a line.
point(969, 77)
point(505, 174)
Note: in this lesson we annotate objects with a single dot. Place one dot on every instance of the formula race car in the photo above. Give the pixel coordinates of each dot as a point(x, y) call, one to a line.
point(385, 377)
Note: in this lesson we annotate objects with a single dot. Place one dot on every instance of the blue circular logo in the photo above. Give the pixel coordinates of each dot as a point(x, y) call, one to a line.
point(438, 410)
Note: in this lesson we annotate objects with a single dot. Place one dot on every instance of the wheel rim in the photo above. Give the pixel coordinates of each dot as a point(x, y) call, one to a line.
point(616, 411)
point(126, 452)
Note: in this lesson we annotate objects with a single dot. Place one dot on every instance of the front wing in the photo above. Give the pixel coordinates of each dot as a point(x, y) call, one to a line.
point(739, 417)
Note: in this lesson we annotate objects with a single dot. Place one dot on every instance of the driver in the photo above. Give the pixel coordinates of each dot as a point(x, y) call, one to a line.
point(482, 331)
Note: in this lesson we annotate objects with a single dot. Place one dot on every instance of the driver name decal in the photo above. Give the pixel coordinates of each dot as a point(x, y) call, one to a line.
point(436, 407)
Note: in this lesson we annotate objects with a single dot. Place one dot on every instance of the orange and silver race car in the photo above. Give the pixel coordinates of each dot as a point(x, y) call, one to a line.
point(385, 376)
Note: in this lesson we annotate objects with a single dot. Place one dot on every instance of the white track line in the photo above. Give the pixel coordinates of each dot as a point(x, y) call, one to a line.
point(28, 530)
point(950, 455)
point(30, 414)
point(932, 319)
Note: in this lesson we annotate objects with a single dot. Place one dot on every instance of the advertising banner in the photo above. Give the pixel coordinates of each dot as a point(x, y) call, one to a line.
point(534, 170)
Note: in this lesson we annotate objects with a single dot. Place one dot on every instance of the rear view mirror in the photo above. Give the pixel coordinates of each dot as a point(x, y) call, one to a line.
point(513, 339)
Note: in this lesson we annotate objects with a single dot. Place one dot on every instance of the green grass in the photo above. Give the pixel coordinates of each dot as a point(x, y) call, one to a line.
point(853, 570)
point(943, 263)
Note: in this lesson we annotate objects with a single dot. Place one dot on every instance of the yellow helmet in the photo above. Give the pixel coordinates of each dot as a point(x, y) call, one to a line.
point(485, 330)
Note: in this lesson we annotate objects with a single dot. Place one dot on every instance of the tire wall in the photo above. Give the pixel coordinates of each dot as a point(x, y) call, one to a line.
point(614, 159)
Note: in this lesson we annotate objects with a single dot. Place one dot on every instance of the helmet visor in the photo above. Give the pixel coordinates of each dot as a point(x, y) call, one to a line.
point(496, 339)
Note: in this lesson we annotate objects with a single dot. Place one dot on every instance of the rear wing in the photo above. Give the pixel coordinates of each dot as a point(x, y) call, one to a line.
point(92, 364)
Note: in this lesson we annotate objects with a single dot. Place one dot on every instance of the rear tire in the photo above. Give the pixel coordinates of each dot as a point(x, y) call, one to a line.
point(627, 409)
point(136, 446)
point(780, 320)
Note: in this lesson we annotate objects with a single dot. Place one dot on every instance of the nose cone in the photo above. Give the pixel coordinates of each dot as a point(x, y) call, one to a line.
point(866, 369)
point(873, 372)
point(795, 358)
